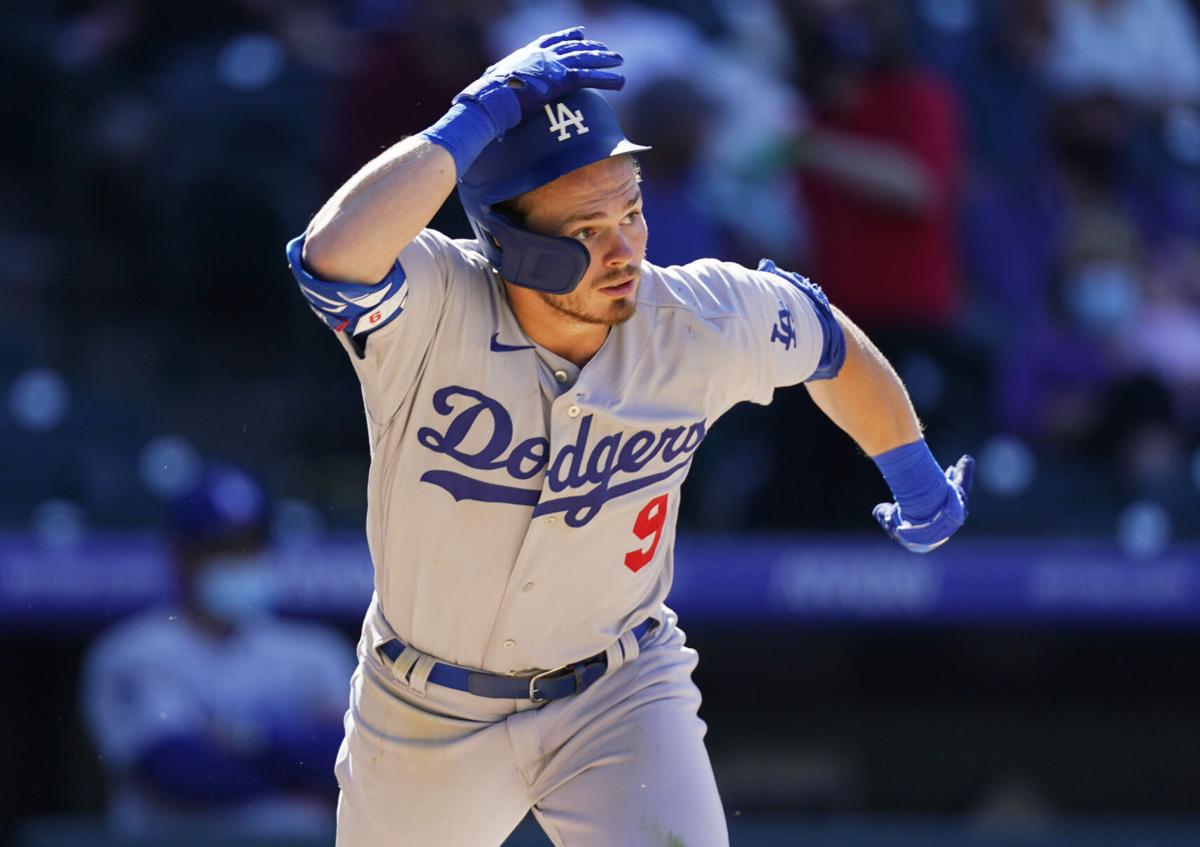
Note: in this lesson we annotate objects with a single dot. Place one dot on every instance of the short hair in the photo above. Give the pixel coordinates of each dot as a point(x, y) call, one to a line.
point(513, 208)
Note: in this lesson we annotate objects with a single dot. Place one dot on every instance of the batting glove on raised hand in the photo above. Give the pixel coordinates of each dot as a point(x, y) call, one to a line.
point(540, 72)
point(933, 532)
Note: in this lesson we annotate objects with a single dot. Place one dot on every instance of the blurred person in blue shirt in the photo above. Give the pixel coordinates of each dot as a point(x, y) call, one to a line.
point(212, 713)
point(671, 113)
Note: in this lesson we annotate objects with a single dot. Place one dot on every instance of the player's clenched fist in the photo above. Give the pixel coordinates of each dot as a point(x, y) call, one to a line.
point(922, 533)
point(542, 71)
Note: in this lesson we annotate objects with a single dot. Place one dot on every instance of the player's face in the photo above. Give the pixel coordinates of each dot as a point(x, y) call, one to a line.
point(601, 207)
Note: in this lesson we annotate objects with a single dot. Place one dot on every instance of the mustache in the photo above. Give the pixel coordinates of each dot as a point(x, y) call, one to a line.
point(618, 274)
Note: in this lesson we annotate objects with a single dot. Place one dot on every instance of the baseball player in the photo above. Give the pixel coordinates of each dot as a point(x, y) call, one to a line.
point(213, 712)
point(534, 398)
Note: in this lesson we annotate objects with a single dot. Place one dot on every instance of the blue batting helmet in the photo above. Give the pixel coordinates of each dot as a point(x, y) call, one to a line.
point(565, 135)
point(225, 505)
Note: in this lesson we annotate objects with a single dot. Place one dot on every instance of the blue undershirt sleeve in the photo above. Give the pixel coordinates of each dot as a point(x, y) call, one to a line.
point(194, 768)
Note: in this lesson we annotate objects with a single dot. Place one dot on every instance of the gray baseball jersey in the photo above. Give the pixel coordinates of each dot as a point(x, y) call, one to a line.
point(521, 510)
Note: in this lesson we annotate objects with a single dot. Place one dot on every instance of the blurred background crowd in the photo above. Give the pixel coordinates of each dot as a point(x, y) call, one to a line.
point(1004, 193)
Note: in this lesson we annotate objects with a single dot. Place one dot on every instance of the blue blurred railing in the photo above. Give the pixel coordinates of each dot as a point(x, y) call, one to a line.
point(717, 579)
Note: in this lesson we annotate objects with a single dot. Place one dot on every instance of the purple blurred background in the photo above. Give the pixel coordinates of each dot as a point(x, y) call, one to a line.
point(1004, 193)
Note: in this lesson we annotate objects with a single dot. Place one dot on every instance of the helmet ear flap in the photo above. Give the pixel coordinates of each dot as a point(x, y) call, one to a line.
point(548, 263)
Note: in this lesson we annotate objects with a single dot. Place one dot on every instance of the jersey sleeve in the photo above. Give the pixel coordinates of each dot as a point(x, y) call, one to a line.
point(386, 328)
point(779, 326)
point(132, 699)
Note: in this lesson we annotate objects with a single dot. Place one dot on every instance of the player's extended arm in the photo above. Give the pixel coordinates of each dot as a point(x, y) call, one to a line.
point(868, 401)
point(360, 230)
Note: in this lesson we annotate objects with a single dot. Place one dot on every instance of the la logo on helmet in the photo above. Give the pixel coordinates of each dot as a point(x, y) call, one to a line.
point(564, 118)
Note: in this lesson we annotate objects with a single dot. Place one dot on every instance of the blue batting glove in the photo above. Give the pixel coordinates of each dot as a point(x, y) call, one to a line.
point(540, 72)
point(929, 534)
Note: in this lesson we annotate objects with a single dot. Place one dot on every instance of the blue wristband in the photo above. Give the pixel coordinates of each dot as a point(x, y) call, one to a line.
point(463, 131)
point(915, 478)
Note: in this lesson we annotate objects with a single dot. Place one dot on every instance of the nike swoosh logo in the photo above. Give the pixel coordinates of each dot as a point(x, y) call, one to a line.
point(497, 347)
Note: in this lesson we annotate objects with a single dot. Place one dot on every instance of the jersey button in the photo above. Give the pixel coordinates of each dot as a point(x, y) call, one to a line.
point(509, 644)
point(561, 376)
point(572, 411)
point(526, 588)
point(551, 521)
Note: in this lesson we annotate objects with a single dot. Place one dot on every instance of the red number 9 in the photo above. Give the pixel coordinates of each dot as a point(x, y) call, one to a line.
point(649, 522)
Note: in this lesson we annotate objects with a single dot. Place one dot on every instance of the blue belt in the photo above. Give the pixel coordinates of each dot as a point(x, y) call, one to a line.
point(547, 685)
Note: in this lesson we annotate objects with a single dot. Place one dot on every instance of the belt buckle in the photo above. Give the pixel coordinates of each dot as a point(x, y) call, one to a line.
point(543, 675)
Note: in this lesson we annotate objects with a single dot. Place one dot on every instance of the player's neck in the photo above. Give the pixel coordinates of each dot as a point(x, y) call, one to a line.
point(577, 343)
point(575, 340)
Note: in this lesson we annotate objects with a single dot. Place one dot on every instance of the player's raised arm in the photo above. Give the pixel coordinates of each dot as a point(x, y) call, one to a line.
point(863, 395)
point(360, 230)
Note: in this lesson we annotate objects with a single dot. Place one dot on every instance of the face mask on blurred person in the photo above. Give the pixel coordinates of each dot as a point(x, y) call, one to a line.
point(1102, 297)
point(235, 589)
